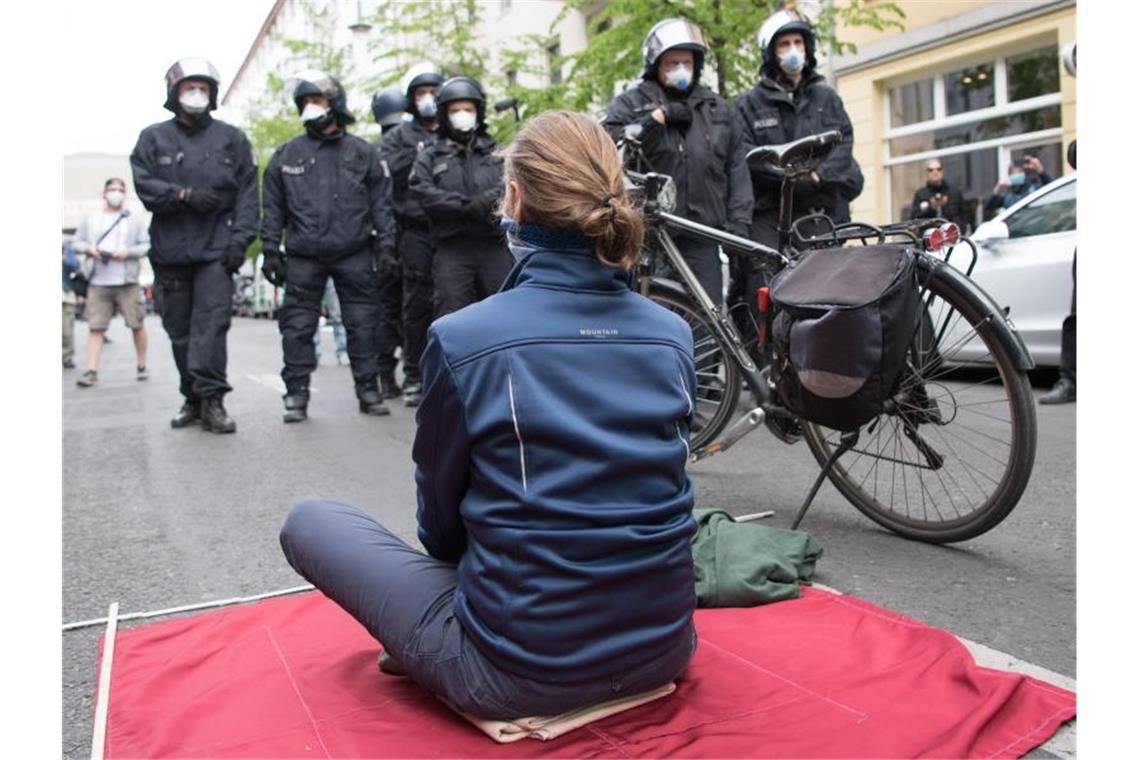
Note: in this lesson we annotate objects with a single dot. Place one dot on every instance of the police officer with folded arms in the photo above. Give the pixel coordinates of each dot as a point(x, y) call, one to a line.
point(687, 132)
point(388, 110)
point(328, 194)
point(790, 101)
point(198, 176)
point(458, 182)
point(399, 149)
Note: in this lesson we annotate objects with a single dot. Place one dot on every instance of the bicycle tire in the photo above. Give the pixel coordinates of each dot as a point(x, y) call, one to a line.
point(944, 418)
point(718, 376)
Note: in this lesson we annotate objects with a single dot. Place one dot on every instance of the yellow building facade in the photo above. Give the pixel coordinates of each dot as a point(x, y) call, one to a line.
point(974, 84)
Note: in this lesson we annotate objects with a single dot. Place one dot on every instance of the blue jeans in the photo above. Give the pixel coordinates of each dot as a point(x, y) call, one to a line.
point(332, 307)
point(404, 598)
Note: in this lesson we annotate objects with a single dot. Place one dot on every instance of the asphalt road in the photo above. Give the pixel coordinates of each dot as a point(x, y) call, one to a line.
point(155, 518)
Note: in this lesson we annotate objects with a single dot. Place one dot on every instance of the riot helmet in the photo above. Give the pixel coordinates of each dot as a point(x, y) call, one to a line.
point(461, 88)
point(388, 106)
point(314, 82)
point(420, 75)
point(780, 23)
point(198, 69)
point(673, 34)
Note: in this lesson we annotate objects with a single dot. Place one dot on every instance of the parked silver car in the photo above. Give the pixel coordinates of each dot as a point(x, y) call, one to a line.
point(1025, 261)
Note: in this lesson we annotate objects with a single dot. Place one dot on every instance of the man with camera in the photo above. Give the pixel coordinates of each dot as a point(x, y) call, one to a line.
point(937, 199)
point(1025, 176)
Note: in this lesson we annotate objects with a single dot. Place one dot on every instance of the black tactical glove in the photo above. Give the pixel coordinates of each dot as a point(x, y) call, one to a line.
point(678, 114)
point(201, 199)
point(234, 258)
point(740, 229)
point(480, 206)
point(274, 269)
point(385, 265)
point(807, 193)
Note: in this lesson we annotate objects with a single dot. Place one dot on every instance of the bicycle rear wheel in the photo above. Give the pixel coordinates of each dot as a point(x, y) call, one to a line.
point(718, 377)
point(952, 457)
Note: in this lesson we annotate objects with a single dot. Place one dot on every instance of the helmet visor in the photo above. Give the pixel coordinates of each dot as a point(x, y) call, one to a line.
point(187, 68)
point(310, 82)
point(675, 32)
point(774, 23)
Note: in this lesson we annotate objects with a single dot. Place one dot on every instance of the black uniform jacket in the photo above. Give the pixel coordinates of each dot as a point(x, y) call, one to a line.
point(210, 154)
point(706, 161)
point(951, 210)
point(446, 176)
point(399, 149)
point(770, 115)
point(329, 197)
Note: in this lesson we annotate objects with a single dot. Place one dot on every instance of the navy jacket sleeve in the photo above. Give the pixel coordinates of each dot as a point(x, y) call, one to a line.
point(764, 180)
point(246, 208)
point(157, 195)
point(436, 201)
point(274, 214)
point(380, 202)
point(442, 454)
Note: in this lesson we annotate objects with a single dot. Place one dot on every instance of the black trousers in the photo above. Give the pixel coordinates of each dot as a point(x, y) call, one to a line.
point(389, 325)
point(300, 313)
point(195, 309)
point(416, 257)
point(703, 257)
point(1069, 334)
point(468, 270)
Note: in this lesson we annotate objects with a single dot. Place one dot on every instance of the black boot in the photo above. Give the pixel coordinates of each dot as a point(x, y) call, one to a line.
point(297, 405)
point(214, 417)
point(413, 394)
point(389, 388)
point(190, 412)
point(1063, 392)
point(371, 402)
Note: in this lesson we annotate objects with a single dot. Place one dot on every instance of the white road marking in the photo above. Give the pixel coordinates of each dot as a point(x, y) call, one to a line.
point(274, 382)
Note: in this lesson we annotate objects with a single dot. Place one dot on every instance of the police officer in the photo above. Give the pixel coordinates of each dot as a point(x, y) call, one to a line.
point(198, 176)
point(458, 182)
point(330, 195)
point(399, 149)
point(791, 101)
point(688, 133)
point(388, 110)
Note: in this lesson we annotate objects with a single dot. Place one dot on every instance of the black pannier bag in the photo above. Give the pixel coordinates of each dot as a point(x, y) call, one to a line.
point(844, 318)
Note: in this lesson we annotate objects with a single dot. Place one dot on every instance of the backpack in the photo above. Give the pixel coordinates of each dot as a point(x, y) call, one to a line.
point(844, 319)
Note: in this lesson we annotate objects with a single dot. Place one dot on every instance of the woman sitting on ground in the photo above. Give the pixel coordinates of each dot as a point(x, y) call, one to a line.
point(550, 463)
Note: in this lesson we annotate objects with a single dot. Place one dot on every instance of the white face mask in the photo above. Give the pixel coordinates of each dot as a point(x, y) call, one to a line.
point(194, 101)
point(792, 61)
point(679, 77)
point(115, 198)
point(462, 121)
point(425, 106)
point(312, 112)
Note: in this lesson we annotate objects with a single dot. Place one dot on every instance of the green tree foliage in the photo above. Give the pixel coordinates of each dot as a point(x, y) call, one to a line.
point(442, 32)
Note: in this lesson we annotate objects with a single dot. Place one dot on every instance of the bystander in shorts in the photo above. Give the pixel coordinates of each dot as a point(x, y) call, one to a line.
point(104, 300)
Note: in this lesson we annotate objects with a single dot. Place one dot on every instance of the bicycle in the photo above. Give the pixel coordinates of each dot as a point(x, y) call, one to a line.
point(946, 460)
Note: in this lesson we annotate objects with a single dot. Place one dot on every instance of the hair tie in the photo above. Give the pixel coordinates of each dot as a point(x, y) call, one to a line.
point(607, 201)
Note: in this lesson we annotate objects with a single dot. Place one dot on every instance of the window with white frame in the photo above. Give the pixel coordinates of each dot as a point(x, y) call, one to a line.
point(975, 117)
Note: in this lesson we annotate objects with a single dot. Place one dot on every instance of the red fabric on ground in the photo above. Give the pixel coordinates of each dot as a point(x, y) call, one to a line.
point(820, 676)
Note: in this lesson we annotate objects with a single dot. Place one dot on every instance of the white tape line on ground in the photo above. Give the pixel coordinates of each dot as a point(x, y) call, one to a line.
point(99, 734)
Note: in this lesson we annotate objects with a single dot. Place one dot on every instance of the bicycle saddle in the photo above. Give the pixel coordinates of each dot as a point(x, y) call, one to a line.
point(790, 154)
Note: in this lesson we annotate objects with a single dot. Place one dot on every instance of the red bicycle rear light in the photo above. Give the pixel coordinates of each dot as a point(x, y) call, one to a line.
point(951, 234)
point(763, 302)
point(933, 240)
